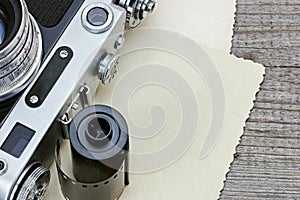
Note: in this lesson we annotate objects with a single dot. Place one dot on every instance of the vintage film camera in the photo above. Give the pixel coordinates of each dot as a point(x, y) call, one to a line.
point(48, 75)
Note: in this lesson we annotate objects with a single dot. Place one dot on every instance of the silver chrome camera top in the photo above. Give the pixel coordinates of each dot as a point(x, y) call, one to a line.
point(86, 52)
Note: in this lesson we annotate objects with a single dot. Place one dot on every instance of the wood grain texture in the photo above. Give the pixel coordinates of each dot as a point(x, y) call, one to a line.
point(267, 160)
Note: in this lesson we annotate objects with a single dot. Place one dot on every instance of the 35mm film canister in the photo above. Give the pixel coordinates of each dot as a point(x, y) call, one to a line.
point(99, 145)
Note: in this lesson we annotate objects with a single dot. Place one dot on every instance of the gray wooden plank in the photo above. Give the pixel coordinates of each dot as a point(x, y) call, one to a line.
point(267, 160)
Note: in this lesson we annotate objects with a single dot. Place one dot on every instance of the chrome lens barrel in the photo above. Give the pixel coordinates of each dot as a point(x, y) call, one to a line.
point(20, 57)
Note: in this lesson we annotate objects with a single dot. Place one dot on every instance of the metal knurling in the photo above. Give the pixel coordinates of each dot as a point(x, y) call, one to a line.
point(31, 181)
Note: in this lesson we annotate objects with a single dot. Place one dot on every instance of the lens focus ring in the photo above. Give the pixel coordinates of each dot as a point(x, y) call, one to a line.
point(21, 57)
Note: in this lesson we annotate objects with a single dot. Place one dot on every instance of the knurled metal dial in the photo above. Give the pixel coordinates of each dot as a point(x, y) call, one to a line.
point(35, 185)
point(137, 10)
point(108, 68)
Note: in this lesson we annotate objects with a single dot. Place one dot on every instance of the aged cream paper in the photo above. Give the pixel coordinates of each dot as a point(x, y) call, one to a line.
point(191, 177)
point(209, 22)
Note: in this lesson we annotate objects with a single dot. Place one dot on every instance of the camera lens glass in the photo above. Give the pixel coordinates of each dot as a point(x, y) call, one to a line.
point(2, 31)
point(3, 19)
point(7, 23)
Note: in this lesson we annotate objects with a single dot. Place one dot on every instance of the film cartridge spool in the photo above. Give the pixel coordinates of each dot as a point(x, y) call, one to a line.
point(99, 144)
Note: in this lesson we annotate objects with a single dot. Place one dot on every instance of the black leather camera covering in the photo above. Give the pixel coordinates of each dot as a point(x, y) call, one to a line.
point(48, 12)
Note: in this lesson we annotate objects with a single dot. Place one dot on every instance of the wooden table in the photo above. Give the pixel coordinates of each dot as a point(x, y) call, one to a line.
point(267, 161)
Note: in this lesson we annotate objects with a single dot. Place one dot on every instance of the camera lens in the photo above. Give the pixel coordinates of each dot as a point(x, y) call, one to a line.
point(3, 18)
point(2, 31)
point(20, 48)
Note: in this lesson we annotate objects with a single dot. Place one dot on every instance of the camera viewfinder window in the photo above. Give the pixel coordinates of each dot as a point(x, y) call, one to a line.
point(18, 140)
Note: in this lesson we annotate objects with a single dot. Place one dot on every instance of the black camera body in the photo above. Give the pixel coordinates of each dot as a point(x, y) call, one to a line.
point(53, 56)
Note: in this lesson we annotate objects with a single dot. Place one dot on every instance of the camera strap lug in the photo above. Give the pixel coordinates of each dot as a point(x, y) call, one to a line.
point(64, 123)
point(83, 96)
